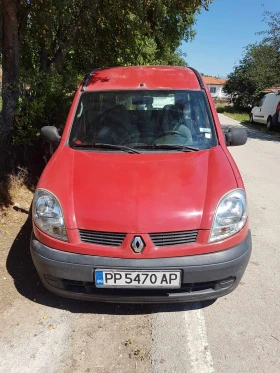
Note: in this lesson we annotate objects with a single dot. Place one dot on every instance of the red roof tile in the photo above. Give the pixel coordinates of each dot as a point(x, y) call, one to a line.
point(272, 89)
point(210, 80)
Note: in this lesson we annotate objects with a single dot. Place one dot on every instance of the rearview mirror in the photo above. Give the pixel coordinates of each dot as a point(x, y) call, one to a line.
point(50, 134)
point(235, 136)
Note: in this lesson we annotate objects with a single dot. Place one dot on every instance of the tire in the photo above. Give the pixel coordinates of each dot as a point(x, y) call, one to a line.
point(269, 125)
point(251, 119)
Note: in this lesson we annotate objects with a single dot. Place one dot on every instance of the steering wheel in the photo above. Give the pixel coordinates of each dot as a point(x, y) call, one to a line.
point(166, 133)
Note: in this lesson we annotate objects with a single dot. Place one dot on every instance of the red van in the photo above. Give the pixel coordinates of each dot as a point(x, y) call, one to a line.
point(142, 201)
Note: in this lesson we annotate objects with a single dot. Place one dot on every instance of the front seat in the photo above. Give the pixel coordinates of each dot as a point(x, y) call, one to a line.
point(112, 127)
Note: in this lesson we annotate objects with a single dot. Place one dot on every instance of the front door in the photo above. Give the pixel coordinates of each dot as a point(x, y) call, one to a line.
point(259, 115)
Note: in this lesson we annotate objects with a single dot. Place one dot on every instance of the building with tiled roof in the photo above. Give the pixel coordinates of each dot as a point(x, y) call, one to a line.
point(272, 89)
point(215, 86)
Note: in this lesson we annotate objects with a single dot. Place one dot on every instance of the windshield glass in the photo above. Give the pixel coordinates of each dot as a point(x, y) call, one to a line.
point(143, 120)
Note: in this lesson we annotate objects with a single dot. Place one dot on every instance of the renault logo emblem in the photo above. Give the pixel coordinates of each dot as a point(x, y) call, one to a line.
point(137, 244)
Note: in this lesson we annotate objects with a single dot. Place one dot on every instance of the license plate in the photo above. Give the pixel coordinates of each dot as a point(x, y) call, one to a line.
point(110, 278)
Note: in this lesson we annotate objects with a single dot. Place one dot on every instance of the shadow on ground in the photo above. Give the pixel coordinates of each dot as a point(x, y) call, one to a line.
point(20, 267)
point(256, 133)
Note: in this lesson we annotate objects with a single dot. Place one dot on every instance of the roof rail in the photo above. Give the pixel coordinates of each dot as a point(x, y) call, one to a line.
point(198, 76)
point(86, 79)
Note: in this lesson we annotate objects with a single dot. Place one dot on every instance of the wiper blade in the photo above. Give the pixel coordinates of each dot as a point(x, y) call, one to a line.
point(183, 148)
point(107, 146)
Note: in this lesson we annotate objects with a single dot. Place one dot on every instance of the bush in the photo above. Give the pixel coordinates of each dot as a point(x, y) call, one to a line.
point(45, 100)
point(232, 109)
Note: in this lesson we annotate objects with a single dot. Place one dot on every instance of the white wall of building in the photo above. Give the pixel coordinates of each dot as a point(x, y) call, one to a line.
point(217, 91)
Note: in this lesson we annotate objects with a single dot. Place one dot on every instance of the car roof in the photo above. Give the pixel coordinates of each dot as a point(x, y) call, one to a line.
point(142, 77)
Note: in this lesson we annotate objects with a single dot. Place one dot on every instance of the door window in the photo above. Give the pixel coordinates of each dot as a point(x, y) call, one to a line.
point(262, 101)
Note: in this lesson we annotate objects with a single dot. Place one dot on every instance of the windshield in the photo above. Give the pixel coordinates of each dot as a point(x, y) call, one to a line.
point(143, 120)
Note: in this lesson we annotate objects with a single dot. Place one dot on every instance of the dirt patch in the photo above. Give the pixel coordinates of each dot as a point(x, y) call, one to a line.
point(12, 219)
point(41, 332)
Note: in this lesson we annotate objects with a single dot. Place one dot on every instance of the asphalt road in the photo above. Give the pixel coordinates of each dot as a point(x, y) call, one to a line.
point(40, 332)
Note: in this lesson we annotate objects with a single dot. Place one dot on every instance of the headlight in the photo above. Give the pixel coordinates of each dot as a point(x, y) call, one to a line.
point(47, 214)
point(230, 216)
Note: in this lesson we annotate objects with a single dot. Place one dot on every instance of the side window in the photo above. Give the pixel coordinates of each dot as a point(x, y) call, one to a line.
point(199, 114)
point(262, 101)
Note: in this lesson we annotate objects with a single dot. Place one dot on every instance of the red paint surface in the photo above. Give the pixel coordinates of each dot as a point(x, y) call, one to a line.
point(141, 193)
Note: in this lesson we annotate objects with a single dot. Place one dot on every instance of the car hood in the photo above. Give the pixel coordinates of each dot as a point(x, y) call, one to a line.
point(139, 193)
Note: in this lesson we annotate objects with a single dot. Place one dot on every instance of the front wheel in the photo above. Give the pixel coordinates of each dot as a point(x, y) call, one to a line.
point(269, 123)
point(251, 119)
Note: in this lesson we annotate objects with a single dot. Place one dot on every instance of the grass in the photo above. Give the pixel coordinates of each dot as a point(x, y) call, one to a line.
point(243, 117)
point(240, 115)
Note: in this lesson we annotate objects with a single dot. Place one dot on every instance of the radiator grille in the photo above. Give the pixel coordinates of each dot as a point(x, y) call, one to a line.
point(174, 238)
point(102, 238)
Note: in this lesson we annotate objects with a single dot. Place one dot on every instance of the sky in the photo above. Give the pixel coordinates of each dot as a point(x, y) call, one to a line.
point(223, 32)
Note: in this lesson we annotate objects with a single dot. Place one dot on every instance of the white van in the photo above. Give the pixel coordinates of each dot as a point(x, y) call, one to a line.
point(267, 111)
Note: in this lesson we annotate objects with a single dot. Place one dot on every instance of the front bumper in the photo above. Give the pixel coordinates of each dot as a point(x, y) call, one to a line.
point(205, 276)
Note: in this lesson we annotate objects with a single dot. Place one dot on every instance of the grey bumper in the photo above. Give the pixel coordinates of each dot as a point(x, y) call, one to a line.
point(205, 276)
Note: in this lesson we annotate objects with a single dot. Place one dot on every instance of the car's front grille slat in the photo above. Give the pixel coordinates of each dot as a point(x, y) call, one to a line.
point(172, 235)
point(159, 239)
point(89, 238)
point(174, 238)
point(102, 238)
point(101, 234)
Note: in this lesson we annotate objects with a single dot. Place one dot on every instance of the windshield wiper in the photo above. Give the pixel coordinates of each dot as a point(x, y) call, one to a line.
point(183, 148)
point(107, 146)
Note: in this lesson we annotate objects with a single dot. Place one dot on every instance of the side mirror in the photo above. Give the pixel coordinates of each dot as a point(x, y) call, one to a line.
point(235, 136)
point(50, 134)
point(256, 104)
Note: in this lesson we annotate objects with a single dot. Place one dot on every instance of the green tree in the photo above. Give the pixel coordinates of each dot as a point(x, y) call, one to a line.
point(255, 72)
point(10, 66)
point(47, 45)
point(272, 34)
point(259, 68)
